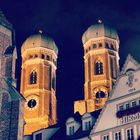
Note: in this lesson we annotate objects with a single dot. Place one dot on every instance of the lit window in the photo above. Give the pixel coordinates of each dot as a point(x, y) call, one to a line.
point(38, 136)
point(130, 134)
point(71, 130)
point(98, 68)
point(117, 136)
point(94, 46)
point(106, 137)
point(33, 77)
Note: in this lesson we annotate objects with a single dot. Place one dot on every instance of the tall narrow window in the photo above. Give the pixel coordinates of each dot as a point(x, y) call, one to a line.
point(106, 137)
point(113, 67)
point(130, 134)
point(33, 77)
point(71, 130)
point(47, 57)
point(117, 136)
point(42, 56)
point(107, 45)
point(94, 46)
point(112, 47)
point(87, 125)
point(100, 45)
point(98, 68)
point(38, 136)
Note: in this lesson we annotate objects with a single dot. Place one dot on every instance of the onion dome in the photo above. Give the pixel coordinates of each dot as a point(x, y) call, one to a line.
point(39, 40)
point(99, 30)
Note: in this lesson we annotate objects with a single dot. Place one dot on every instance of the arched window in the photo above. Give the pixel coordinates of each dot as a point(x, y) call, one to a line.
point(36, 55)
point(98, 68)
point(100, 94)
point(107, 45)
point(94, 46)
point(30, 57)
point(33, 77)
point(47, 57)
point(42, 56)
point(100, 45)
point(112, 47)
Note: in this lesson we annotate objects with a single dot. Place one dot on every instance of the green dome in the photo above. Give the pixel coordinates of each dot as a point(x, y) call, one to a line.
point(99, 30)
point(39, 40)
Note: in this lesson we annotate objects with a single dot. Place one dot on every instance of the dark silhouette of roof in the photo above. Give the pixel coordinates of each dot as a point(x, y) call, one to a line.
point(61, 133)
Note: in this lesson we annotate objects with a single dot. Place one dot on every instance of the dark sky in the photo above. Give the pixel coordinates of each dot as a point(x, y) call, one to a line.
point(65, 21)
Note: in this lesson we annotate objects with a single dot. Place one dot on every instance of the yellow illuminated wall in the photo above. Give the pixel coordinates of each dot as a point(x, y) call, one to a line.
point(101, 66)
point(38, 84)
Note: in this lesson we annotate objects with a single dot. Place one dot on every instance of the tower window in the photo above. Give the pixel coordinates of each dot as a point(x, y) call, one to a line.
point(100, 45)
point(113, 67)
point(98, 68)
point(107, 45)
point(33, 77)
point(30, 56)
point(36, 55)
point(42, 56)
point(86, 50)
point(47, 57)
point(112, 47)
point(94, 46)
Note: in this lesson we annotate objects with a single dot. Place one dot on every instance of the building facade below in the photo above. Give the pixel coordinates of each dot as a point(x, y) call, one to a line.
point(101, 61)
point(120, 118)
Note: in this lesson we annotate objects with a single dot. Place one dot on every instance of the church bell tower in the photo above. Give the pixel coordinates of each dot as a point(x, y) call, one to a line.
point(38, 82)
point(101, 66)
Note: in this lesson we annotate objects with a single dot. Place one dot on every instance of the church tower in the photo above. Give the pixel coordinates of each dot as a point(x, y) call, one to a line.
point(8, 53)
point(38, 82)
point(11, 101)
point(101, 66)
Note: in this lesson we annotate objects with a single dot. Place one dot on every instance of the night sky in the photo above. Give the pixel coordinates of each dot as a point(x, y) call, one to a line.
point(65, 21)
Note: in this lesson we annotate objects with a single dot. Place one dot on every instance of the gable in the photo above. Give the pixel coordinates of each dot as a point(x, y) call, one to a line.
point(126, 88)
point(130, 63)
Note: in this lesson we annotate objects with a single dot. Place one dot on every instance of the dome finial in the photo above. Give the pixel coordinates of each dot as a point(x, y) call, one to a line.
point(99, 21)
point(40, 31)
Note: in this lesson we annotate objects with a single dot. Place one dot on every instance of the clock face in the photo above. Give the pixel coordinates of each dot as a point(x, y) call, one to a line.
point(32, 102)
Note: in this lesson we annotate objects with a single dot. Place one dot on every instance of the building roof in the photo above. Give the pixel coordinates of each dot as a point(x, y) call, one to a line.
point(99, 30)
point(61, 133)
point(4, 22)
point(39, 40)
point(13, 93)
